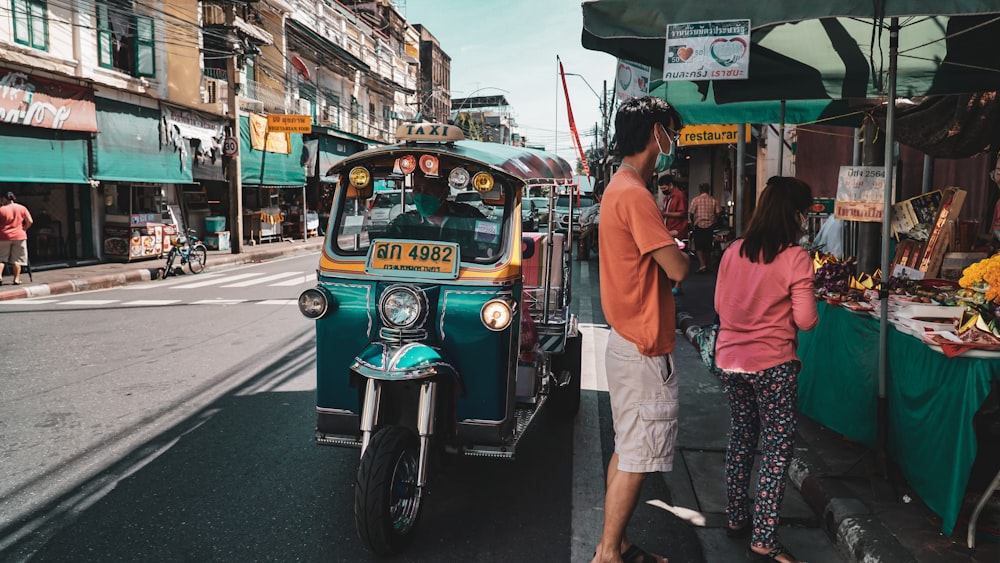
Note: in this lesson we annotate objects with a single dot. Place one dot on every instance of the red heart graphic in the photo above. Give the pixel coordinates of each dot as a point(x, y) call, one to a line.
point(685, 53)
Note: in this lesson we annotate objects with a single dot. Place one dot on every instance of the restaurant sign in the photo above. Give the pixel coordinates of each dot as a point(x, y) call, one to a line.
point(39, 102)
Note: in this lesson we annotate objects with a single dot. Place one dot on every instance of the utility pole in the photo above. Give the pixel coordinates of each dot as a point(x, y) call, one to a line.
point(606, 118)
point(235, 170)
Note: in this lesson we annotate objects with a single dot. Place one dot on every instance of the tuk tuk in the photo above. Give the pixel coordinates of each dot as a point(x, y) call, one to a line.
point(445, 331)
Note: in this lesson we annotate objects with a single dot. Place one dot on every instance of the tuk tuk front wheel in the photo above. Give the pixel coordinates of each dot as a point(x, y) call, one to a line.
point(564, 401)
point(386, 499)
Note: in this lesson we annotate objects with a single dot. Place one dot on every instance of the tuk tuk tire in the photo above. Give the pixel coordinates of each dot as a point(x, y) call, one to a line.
point(564, 402)
point(388, 467)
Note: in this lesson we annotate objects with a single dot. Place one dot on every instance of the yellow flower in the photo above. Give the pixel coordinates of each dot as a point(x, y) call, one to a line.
point(983, 272)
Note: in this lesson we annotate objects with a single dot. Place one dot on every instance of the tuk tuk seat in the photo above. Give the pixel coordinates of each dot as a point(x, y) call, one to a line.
point(535, 249)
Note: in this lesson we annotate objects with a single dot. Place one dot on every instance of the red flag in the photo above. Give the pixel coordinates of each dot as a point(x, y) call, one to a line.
point(572, 124)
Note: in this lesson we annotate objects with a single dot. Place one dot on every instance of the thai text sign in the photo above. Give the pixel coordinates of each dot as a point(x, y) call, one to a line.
point(37, 102)
point(282, 123)
point(714, 50)
point(860, 192)
point(631, 80)
point(710, 135)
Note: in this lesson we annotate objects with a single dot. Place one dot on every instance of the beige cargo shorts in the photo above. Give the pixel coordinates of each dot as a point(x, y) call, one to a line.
point(644, 406)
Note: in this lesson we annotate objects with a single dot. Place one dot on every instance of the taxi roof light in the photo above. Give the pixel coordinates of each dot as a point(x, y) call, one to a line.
point(407, 163)
point(433, 132)
point(458, 178)
point(429, 164)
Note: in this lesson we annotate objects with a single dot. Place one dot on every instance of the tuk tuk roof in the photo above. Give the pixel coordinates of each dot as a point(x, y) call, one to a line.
point(529, 165)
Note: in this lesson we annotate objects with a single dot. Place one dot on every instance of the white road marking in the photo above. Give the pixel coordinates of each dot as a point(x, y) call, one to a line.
point(88, 302)
point(28, 301)
point(257, 281)
point(219, 302)
point(295, 281)
point(215, 281)
point(152, 302)
point(279, 302)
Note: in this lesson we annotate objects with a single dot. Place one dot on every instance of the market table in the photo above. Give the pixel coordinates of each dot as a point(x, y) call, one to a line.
point(931, 401)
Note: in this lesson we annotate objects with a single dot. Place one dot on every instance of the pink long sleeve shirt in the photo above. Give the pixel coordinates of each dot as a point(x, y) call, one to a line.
point(761, 309)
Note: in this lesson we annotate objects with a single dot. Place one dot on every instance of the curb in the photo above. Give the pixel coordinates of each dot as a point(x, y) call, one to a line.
point(857, 533)
point(140, 274)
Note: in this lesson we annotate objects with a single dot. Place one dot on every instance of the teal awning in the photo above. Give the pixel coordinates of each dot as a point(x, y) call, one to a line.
point(279, 169)
point(129, 147)
point(32, 154)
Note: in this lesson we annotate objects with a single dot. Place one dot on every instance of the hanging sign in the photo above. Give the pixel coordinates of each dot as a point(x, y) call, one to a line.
point(631, 80)
point(714, 50)
point(710, 135)
point(288, 123)
point(860, 192)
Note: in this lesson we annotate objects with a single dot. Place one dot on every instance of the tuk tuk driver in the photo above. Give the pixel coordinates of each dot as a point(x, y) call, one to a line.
point(438, 218)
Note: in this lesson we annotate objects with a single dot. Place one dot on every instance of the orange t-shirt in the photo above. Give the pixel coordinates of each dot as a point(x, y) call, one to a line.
point(635, 291)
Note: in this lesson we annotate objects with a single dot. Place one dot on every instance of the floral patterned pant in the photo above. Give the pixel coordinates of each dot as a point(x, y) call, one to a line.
point(763, 405)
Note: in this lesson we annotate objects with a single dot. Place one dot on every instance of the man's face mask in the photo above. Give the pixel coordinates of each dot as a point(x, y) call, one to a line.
point(426, 204)
point(664, 160)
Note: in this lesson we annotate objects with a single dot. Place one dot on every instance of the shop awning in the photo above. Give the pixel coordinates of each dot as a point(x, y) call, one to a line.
point(33, 154)
point(130, 147)
point(279, 169)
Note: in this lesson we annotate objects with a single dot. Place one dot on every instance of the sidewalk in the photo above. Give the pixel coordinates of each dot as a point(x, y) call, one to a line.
point(868, 517)
point(53, 279)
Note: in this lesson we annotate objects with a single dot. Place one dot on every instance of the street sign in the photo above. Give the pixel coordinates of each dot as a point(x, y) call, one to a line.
point(288, 123)
point(230, 147)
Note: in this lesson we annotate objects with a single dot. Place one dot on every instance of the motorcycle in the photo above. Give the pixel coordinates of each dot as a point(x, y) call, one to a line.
point(441, 342)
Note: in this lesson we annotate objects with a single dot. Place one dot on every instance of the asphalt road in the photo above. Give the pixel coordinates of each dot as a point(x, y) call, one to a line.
point(172, 421)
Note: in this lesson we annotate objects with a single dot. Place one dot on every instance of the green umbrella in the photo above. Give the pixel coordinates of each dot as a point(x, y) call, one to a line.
point(827, 50)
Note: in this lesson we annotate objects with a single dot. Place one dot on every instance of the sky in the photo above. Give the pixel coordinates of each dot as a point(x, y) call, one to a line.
point(511, 45)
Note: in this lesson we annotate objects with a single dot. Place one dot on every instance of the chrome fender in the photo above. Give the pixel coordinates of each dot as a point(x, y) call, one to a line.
point(397, 362)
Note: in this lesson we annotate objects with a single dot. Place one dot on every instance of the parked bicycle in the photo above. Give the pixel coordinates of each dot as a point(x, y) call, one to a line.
point(190, 250)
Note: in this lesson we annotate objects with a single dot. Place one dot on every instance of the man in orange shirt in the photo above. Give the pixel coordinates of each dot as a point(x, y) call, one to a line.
point(14, 223)
point(639, 258)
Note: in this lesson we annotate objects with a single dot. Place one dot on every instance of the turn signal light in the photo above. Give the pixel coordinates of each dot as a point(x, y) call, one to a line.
point(482, 182)
point(360, 177)
point(496, 314)
point(429, 164)
point(407, 164)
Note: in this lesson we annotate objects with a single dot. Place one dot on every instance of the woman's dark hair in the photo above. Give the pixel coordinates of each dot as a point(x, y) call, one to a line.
point(777, 221)
point(635, 120)
point(10, 196)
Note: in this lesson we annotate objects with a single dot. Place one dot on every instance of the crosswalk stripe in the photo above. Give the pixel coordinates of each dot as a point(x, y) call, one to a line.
point(88, 302)
point(152, 302)
point(218, 302)
point(295, 281)
point(214, 281)
point(279, 302)
point(257, 281)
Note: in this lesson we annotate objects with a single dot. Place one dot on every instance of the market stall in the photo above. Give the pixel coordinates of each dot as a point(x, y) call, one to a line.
point(931, 398)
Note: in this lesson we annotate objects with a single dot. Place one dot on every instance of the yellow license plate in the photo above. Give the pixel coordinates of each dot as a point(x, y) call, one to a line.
point(413, 258)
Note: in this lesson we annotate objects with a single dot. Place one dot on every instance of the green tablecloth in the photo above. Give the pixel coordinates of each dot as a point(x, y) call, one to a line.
point(931, 401)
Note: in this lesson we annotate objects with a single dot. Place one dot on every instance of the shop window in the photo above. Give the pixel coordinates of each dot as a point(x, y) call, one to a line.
point(125, 40)
point(31, 23)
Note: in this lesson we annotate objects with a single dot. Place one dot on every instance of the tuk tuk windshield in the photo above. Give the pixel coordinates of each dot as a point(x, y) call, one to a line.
point(417, 207)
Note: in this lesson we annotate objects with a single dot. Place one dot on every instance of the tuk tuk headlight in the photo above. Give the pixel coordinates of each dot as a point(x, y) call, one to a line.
point(313, 303)
point(401, 306)
point(497, 314)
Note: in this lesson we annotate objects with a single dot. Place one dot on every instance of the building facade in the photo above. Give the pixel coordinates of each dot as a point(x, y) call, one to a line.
point(114, 114)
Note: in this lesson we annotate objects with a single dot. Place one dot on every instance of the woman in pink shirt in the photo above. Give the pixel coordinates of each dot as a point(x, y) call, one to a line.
point(764, 296)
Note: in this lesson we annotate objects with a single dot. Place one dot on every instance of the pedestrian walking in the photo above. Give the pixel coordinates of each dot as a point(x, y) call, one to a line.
point(705, 211)
point(15, 220)
point(675, 212)
point(764, 296)
point(639, 259)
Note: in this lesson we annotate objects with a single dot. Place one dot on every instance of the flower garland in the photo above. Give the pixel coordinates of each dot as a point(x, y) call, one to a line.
point(983, 275)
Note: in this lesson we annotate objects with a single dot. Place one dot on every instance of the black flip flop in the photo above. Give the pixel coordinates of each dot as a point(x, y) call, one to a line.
point(636, 554)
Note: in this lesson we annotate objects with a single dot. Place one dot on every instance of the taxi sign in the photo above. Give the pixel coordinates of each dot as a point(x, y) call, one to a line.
point(288, 123)
point(415, 259)
point(438, 132)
